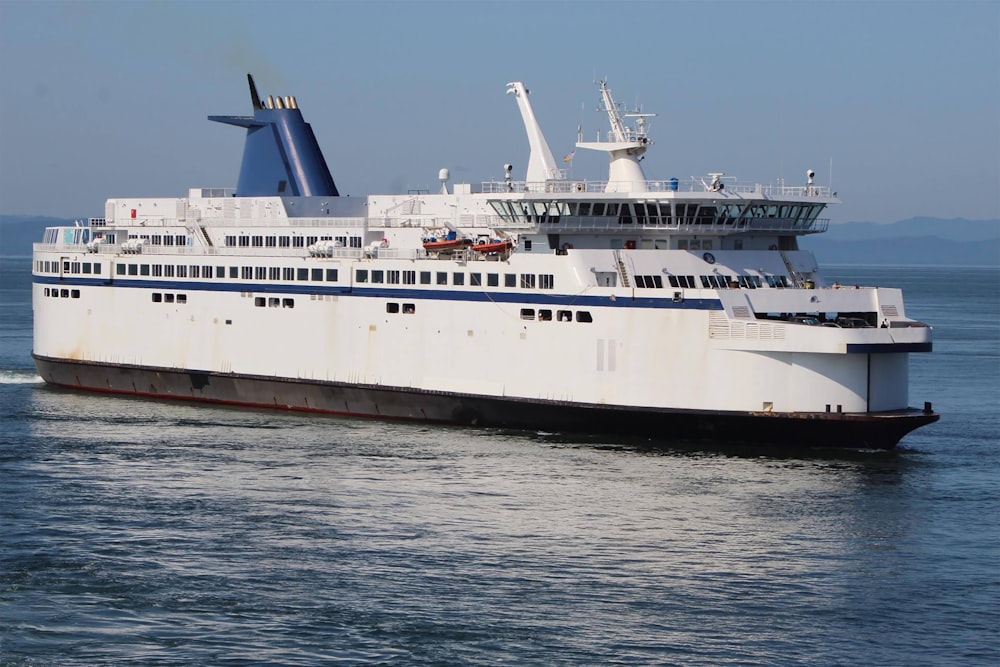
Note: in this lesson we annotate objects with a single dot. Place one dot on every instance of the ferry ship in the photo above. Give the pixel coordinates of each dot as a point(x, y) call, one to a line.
point(671, 309)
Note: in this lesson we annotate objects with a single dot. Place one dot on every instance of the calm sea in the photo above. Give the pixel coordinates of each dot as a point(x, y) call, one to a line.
point(142, 533)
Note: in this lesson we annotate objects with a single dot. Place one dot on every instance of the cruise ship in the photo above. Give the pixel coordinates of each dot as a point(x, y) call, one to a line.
point(671, 310)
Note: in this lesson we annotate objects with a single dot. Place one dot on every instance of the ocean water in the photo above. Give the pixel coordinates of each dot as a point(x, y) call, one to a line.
point(141, 533)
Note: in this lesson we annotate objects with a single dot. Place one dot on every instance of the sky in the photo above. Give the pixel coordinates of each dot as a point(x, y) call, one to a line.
point(894, 104)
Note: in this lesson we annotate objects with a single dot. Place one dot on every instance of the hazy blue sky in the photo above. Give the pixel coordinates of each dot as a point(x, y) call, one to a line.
point(104, 99)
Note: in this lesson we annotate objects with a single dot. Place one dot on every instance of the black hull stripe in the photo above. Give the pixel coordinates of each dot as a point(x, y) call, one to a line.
point(796, 430)
point(885, 348)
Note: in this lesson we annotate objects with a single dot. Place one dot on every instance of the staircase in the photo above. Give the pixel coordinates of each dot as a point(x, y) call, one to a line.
point(622, 273)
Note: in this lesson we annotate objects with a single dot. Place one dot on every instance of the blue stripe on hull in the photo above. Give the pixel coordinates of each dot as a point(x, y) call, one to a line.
point(619, 301)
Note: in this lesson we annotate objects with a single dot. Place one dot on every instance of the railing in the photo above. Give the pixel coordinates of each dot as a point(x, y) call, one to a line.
point(465, 221)
point(626, 188)
point(683, 225)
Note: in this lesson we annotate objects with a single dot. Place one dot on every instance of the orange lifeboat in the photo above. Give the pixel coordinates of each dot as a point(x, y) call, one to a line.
point(496, 245)
point(439, 245)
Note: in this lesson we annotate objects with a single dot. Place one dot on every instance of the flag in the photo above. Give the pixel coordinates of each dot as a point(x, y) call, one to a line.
point(569, 156)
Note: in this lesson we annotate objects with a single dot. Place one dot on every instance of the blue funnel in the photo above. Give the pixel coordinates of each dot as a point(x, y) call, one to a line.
point(281, 156)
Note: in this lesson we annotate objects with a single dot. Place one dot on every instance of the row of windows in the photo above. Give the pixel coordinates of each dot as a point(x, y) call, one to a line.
point(544, 281)
point(238, 272)
point(261, 241)
point(159, 297)
point(273, 302)
point(62, 293)
point(652, 212)
point(408, 308)
point(161, 239)
point(85, 268)
point(713, 281)
point(545, 315)
point(392, 277)
point(748, 282)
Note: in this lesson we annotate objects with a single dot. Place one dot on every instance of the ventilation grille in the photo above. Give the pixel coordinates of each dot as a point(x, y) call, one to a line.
point(742, 312)
point(719, 328)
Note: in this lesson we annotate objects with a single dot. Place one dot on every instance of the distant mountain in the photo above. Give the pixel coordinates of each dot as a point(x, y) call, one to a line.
point(930, 241)
point(957, 229)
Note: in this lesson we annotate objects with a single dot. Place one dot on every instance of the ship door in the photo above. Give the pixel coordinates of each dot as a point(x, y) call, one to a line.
point(607, 278)
point(63, 267)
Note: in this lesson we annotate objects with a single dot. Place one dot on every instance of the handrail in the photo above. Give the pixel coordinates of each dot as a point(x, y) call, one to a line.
point(683, 225)
point(619, 189)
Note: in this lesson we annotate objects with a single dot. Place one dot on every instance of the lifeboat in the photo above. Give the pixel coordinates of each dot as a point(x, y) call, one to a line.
point(495, 245)
point(439, 245)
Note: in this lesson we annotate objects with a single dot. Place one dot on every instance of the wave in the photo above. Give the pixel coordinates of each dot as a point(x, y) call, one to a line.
point(19, 376)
